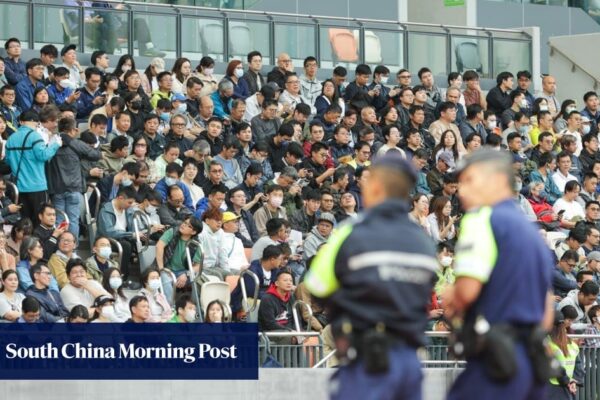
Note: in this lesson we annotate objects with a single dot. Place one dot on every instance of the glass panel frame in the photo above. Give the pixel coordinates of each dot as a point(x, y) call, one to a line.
point(163, 39)
point(194, 46)
point(511, 55)
point(463, 55)
point(110, 35)
point(435, 45)
point(48, 32)
point(301, 43)
point(246, 35)
point(339, 45)
point(14, 22)
point(389, 53)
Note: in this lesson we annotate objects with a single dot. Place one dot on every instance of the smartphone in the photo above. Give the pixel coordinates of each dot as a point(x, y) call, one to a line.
point(77, 90)
point(63, 225)
point(377, 87)
point(561, 212)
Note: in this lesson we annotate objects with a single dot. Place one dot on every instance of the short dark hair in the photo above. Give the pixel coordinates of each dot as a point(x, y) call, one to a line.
point(307, 60)
point(447, 105)
point(502, 76)
point(524, 74)
point(589, 287)
point(118, 143)
point(30, 304)
point(174, 167)
point(137, 299)
point(362, 69)
point(49, 50)
point(271, 251)
point(127, 192)
point(253, 54)
point(274, 225)
point(99, 119)
point(589, 94)
point(340, 71)
point(570, 255)
point(96, 55)
point(473, 110)
point(423, 71)
point(470, 75)
point(91, 71)
point(75, 262)
point(183, 301)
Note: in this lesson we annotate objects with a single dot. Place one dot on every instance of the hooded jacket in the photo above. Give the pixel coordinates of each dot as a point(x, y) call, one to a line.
point(312, 243)
point(64, 171)
point(582, 320)
point(275, 311)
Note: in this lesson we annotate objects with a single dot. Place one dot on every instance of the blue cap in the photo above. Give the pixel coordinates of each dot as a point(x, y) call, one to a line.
point(177, 97)
point(394, 160)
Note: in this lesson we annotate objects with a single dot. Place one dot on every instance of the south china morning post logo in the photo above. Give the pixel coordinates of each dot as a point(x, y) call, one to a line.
point(129, 351)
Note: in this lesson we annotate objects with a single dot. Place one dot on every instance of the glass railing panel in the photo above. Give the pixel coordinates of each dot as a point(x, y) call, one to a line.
point(202, 36)
point(154, 34)
point(14, 23)
point(46, 30)
point(299, 41)
point(103, 29)
point(511, 55)
point(425, 49)
point(384, 47)
point(470, 53)
point(246, 36)
point(339, 45)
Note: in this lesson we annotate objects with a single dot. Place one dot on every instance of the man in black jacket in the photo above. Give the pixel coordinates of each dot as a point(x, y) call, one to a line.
point(46, 231)
point(253, 77)
point(275, 310)
point(52, 307)
point(498, 98)
point(65, 178)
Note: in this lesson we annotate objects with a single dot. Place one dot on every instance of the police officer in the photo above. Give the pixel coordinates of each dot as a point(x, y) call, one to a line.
point(502, 289)
point(377, 275)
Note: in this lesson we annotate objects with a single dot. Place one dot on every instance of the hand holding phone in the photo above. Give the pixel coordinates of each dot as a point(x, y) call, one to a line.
point(63, 225)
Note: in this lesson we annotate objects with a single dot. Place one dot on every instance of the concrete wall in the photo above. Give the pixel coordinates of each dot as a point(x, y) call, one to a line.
point(552, 20)
point(575, 49)
point(434, 12)
point(385, 9)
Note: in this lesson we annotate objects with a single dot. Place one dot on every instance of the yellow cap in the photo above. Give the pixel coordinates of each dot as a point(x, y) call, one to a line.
point(228, 216)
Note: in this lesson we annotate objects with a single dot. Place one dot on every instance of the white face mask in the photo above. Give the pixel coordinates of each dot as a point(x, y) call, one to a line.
point(208, 71)
point(182, 108)
point(384, 80)
point(569, 110)
point(65, 84)
point(543, 108)
point(276, 201)
point(126, 68)
point(239, 72)
point(126, 182)
point(492, 124)
point(105, 252)
point(170, 181)
point(446, 261)
point(524, 103)
point(115, 282)
point(108, 312)
point(190, 315)
point(586, 129)
point(154, 284)
point(151, 209)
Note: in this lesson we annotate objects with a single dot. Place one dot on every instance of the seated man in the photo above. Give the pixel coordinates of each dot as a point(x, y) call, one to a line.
point(30, 310)
point(114, 221)
point(277, 232)
point(173, 212)
point(58, 261)
point(185, 309)
point(80, 289)
point(236, 255)
point(112, 161)
point(110, 184)
point(46, 231)
point(318, 235)
point(9, 212)
point(100, 260)
point(171, 254)
point(563, 279)
point(52, 307)
point(275, 310)
point(139, 307)
point(271, 209)
point(232, 174)
point(581, 299)
point(270, 260)
point(215, 256)
point(303, 220)
point(215, 199)
point(172, 177)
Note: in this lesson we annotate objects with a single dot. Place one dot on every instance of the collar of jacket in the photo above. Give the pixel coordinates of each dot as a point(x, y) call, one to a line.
point(388, 208)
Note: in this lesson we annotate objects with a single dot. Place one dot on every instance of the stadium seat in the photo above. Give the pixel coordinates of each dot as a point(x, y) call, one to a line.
point(344, 46)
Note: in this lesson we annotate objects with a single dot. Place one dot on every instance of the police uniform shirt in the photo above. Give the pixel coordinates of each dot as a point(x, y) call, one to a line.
point(501, 249)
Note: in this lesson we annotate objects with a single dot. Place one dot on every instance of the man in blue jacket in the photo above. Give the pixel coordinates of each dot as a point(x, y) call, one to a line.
point(26, 153)
point(115, 221)
point(266, 271)
point(563, 280)
point(25, 88)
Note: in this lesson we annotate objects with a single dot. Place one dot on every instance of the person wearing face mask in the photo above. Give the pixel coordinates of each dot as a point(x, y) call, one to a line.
point(591, 109)
point(271, 209)
point(104, 310)
point(63, 90)
point(160, 309)
point(560, 121)
point(110, 184)
point(186, 310)
point(113, 285)
point(445, 274)
point(234, 74)
point(100, 260)
point(173, 172)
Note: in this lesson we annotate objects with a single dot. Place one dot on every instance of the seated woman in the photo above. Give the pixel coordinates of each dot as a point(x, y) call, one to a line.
point(275, 310)
point(31, 252)
point(441, 223)
point(10, 300)
point(113, 284)
point(104, 309)
point(100, 261)
point(160, 309)
point(214, 312)
point(20, 230)
point(171, 254)
point(78, 315)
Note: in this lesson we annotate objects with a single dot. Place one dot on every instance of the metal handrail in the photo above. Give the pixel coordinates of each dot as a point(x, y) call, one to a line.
point(244, 293)
point(65, 217)
point(14, 189)
point(325, 359)
point(119, 247)
point(142, 246)
point(289, 333)
point(295, 313)
point(190, 261)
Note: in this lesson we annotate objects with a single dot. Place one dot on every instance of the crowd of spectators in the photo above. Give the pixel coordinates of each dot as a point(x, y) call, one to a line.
point(260, 167)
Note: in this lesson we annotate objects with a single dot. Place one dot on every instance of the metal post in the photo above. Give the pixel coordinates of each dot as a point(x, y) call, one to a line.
point(225, 38)
point(361, 47)
point(130, 29)
point(271, 37)
point(178, 33)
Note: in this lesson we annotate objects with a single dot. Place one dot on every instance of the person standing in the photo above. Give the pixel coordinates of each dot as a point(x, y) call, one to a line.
point(497, 273)
point(26, 153)
point(376, 276)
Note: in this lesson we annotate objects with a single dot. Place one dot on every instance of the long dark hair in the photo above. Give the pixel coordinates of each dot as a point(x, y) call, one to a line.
point(119, 70)
point(106, 283)
point(177, 68)
point(442, 146)
point(5, 275)
point(437, 209)
point(563, 109)
point(210, 305)
point(559, 337)
point(336, 96)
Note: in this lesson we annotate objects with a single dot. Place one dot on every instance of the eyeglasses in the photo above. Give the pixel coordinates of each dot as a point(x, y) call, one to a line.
point(47, 273)
point(571, 265)
point(294, 81)
point(141, 145)
point(178, 125)
point(405, 76)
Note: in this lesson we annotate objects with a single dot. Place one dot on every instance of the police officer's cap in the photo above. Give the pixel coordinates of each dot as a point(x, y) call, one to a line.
point(395, 161)
point(483, 156)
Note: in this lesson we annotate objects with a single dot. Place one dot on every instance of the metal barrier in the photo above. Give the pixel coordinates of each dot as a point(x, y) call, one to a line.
point(190, 260)
point(305, 355)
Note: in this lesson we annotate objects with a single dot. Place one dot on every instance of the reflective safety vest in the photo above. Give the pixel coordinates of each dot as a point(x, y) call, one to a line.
point(567, 362)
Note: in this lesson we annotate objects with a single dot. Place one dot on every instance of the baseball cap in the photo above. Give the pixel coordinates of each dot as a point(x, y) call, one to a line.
point(447, 157)
point(228, 216)
point(518, 158)
point(101, 300)
point(177, 97)
point(327, 217)
point(67, 48)
point(274, 86)
point(593, 256)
